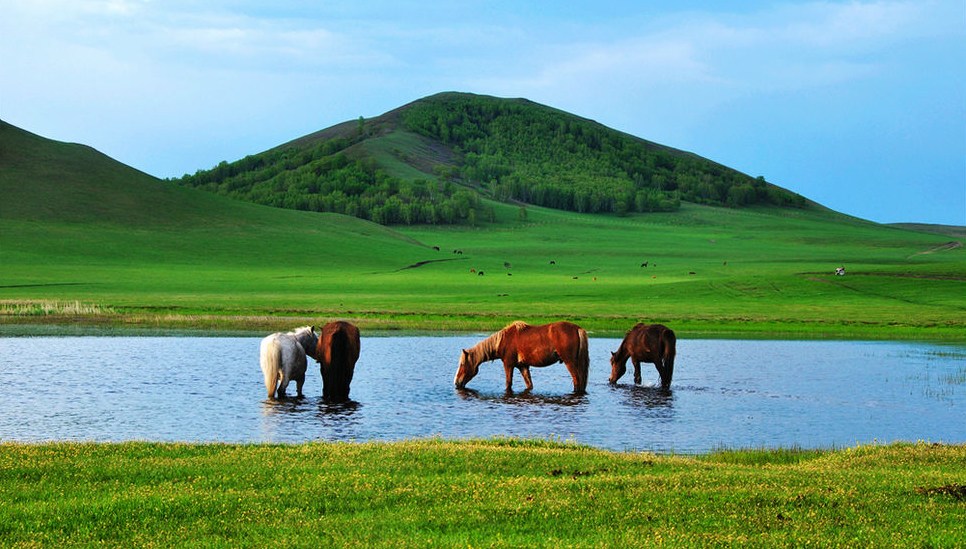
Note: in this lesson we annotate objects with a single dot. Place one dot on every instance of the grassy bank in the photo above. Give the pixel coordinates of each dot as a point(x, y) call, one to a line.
point(755, 274)
point(493, 493)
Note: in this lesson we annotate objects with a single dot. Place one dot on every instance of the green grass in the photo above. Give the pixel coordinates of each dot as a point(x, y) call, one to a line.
point(139, 253)
point(476, 493)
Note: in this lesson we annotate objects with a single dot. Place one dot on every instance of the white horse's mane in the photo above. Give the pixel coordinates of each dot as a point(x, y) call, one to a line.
point(307, 338)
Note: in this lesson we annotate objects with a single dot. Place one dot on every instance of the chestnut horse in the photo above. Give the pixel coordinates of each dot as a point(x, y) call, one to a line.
point(654, 343)
point(521, 346)
point(337, 353)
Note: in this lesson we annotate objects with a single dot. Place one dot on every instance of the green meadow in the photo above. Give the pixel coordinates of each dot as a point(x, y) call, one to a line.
point(87, 243)
point(710, 272)
point(499, 493)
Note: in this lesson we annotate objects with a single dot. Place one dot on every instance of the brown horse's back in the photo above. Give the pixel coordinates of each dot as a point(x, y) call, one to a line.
point(548, 344)
point(337, 353)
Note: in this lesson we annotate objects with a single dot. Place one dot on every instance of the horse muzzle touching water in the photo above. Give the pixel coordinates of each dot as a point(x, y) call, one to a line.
point(466, 371)
point(653, 343)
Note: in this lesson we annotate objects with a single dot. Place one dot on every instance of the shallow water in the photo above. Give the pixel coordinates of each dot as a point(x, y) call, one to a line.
point(724, 394)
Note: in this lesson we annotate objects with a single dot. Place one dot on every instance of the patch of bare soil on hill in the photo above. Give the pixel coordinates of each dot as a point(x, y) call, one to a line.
point(427, 262)
point(951, 245)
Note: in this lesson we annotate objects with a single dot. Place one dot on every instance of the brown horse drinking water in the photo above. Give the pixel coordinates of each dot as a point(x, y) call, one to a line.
point(337, 353)
point(654, 343)
point(521, 346)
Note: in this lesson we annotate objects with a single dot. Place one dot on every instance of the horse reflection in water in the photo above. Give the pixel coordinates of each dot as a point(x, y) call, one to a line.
point(282, 358)
point(521, 346)
point(649, 397)
point(525, 398)
point(287, 420)
point(654, 343)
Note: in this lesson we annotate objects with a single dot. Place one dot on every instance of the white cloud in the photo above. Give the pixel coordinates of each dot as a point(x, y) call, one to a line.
point(691, 63)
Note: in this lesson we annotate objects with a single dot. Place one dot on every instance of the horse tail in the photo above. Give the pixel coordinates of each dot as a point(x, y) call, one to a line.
point(583, 360)
point(340, 348)
point(342, 357)
point(270, 357)
point(668, 350)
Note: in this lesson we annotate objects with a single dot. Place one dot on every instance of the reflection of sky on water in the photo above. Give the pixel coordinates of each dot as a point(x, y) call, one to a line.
point(724, 394)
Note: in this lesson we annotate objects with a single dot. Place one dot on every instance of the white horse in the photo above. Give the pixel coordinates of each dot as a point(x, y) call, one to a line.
point(283, 359)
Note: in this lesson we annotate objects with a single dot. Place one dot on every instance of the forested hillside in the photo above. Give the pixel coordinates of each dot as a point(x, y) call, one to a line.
point(435, 160)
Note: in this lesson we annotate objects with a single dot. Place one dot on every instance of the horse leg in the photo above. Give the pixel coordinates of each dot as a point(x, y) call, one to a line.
point(298, 386)
point(525, 372)
point(283, 385)
point(508, 368)
point(637, 372)
point(575, 375)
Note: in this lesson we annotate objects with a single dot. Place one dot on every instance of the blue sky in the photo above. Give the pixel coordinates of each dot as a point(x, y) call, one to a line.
point(859, 105)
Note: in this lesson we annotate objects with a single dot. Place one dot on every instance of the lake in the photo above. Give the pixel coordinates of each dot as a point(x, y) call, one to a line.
point(725, 394)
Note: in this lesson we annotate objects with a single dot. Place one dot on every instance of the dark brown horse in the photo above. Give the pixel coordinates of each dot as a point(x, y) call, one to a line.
point(654, 343)
point(521, 346)
point(337, 353)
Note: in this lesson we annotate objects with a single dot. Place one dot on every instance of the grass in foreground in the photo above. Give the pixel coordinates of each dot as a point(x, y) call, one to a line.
point(492, 493)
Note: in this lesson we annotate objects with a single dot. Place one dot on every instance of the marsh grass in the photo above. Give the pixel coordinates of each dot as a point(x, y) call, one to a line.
point(29, 308)
point(482, 493)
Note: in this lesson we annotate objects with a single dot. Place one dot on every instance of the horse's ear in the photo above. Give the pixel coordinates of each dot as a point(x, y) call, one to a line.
point(612, 355)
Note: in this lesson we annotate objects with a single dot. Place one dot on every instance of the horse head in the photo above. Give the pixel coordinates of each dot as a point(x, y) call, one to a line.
point(618, 366)
point(467, 370)
point(307, 338)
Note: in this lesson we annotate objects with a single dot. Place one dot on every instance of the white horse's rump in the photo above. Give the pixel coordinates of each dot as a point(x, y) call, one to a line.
point(283, 359)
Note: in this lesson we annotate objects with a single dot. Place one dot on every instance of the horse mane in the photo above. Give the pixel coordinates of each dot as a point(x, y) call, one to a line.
point(518, 324)
point(488, 349)
point(307, 338)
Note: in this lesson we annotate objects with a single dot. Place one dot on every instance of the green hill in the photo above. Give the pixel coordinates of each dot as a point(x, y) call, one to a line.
point(441, 158)
point(76, 224)
point(86, 240)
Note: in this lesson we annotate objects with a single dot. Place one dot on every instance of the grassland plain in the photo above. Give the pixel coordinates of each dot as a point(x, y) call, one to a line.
point(755, 272)
point(77, 228)
point(477, 493)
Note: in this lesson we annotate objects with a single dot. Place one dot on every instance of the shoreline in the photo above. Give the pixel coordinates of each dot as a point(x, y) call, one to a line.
point(252, 326)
